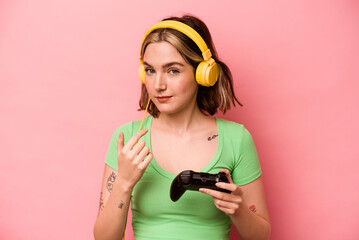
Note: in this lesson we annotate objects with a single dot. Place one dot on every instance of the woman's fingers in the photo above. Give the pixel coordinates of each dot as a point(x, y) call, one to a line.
point(229, 211)
point(142, 154)
point(235, 196)
point(132, 157)
point(216, 194)
point(120, 141)
point(134, 150)
point(231, 187)
point(225, 204)
point(133, 140)
point(137, 148)
point(228, 175)
point(146, 161)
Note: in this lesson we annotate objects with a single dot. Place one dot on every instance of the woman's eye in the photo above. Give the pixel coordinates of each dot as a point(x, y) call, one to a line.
point(149, 71)
point(173, 71)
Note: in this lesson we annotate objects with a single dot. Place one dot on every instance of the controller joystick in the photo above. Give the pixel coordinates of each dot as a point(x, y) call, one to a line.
point(190, 180)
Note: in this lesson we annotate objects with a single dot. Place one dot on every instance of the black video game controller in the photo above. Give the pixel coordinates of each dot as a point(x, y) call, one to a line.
point(190, 180)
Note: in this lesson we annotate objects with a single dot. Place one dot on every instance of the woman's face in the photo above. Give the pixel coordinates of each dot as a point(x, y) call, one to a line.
point(169, 78)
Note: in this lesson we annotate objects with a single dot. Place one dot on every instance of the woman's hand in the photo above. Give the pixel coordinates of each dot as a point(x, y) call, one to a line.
point(229, 203)
point(133, 159)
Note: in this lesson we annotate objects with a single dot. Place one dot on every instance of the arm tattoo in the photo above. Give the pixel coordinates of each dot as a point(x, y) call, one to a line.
point(101, 202)
point(110, 181)
point(121, 204)
point(213, 137)
point(253, 208)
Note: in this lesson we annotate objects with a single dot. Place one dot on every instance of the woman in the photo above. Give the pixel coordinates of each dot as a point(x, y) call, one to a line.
point(181, 134)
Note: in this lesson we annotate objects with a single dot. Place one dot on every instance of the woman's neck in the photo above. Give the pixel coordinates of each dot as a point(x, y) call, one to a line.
point(181, 123)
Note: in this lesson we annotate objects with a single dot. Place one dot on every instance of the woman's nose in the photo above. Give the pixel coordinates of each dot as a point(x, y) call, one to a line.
point(160, 82)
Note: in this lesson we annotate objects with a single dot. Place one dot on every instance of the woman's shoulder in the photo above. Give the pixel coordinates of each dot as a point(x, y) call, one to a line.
point(234, 130)
point(231, 125)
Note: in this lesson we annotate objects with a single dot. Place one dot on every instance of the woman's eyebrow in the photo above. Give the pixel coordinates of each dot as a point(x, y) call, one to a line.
point(166, 65)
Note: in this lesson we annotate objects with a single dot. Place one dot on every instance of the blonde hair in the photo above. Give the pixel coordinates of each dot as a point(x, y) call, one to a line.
point(209, 99)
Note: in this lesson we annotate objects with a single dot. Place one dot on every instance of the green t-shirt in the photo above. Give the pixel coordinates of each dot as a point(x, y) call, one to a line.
point(194, 215)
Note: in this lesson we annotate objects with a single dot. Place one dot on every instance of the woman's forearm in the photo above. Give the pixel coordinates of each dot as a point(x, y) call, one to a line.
point(112, 217)
point(250, 225)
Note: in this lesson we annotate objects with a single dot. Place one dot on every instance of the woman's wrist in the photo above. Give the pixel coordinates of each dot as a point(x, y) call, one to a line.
point(124, 185)
point(250, 225)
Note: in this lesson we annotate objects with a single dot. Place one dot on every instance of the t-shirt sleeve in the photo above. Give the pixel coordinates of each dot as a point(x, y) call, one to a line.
point(111, 157)
point(247, 167)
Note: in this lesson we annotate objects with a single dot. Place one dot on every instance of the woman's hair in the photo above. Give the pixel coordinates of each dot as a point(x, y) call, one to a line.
point(209, 99)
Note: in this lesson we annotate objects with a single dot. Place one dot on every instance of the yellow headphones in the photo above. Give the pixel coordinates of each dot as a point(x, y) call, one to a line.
point(207, 71)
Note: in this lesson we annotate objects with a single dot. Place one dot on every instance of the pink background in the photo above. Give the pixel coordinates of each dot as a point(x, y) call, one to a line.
point(68, 72)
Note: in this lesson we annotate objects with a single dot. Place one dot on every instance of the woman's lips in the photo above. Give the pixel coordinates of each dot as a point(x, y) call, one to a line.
point(163, 98)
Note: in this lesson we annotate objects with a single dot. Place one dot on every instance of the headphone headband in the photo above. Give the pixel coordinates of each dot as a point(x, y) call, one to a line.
point(185, 29)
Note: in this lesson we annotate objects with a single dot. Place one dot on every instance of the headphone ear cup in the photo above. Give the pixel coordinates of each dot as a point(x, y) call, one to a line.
point(142, 73)
point(206, 74)
point(199, 71)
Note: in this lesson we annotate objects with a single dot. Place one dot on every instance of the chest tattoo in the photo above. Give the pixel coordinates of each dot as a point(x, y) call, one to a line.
point(213, 137)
